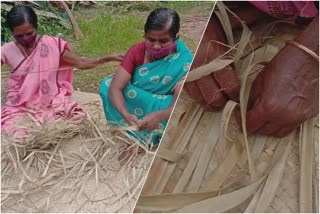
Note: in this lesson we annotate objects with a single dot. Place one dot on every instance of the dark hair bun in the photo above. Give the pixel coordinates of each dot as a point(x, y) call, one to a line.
point(21, 14)
point(163, 18)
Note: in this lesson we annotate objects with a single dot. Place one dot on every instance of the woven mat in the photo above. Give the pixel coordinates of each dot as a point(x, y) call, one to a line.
point(204, 167)
point(286, 198)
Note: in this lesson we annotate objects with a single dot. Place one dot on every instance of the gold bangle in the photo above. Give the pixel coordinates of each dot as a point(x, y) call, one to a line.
point(304, 48)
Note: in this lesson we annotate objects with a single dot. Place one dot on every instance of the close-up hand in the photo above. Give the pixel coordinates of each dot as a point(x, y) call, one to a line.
point(150, 121)
point(113, 57)
point(131, 119)
point(214, 90)
point(118, 57)
point(285, 93)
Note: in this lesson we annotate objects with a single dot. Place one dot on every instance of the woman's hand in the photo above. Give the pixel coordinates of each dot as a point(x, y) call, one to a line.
point(214, 90)
point(151, 121)
point(131, 119)
point(285, 93)
point(117, 85)
point(87, 63)
point(113, 57)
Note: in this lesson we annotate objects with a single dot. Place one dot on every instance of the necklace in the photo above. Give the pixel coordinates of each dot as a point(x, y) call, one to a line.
point(24, 52)
point(30, 49)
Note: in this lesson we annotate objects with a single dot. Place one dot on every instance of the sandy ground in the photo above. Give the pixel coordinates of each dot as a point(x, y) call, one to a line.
point(103, 187)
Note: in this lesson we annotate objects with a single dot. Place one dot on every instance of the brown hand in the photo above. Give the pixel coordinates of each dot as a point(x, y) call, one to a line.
point(285, 93)
point(150, 121)
point(214, 90)
point(131, 119)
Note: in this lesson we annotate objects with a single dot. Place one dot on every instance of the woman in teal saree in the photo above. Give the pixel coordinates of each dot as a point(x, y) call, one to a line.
point(146, 85)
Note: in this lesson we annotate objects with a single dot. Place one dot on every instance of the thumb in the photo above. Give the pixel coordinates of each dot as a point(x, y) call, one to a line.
point(255, 118)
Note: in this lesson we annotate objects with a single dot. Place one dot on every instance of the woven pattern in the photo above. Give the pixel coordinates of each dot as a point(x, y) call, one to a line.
point(286, 198)
point(223, 169)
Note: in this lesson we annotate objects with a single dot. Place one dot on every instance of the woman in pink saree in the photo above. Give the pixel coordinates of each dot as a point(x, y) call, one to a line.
point(41, 78)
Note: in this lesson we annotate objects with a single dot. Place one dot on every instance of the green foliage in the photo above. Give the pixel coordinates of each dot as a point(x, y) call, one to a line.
point(51, 27)
point(190, 6)
point(105, 34)
point(108, 33)
point(46, 25)
point(116, 27)
point(113, 28)
point(5, 32)
point(182, 7)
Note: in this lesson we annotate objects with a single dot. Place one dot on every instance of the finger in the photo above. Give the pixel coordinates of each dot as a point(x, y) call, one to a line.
point(127, 120)
point(134, 118)
point(125, 156)
point(134, 122)
point(208, 107)
point(257, 89)
point(256, 118)
point(228, 80)
point(265, 130)
point(193, 90)
point(285, 131)
point(144, 123)
point(150, 127)
point(277, 126)
point(210, 92)
point(155, 126)
point(142, 127)
point(269, 128)
point(146, 127)
point(131, 123)
point(255, 123)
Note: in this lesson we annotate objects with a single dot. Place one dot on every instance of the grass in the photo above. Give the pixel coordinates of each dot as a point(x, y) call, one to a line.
point(113, 28)
point(187, 7)
point(105, 34)
point(108, 33)
point(182, 7)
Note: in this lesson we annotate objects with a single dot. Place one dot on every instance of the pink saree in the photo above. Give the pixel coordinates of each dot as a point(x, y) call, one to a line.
point(288, 10)
point(39, 87)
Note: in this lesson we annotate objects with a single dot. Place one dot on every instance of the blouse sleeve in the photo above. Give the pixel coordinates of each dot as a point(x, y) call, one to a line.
point(129, 62)
point(63, 46)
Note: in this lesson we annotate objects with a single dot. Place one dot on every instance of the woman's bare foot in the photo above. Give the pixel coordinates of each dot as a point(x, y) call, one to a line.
point(125, 156)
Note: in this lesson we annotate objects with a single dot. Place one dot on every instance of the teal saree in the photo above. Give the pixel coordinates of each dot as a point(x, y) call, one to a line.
point(150, 90)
